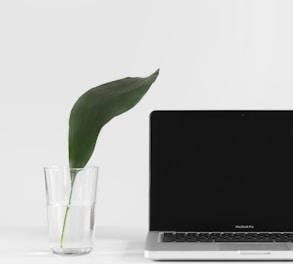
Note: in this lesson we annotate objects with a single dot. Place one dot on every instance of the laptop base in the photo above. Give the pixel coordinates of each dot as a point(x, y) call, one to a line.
point(156, 250)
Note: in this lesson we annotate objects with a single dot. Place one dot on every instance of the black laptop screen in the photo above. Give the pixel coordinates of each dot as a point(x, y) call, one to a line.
point(221, 171)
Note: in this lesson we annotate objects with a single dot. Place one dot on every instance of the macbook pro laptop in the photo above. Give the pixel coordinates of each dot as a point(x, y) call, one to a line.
point(221, 185)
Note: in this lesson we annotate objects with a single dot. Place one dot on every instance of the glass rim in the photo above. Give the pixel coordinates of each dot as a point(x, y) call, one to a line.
point(65, 167)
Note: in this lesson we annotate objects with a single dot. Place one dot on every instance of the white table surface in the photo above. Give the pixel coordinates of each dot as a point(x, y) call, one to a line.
point(112, 245)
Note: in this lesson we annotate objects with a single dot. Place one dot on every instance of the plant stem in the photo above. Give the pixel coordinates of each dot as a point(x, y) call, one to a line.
point(73, 176)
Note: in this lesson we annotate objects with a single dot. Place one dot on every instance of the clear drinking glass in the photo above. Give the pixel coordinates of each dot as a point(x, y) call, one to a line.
point(71, 199)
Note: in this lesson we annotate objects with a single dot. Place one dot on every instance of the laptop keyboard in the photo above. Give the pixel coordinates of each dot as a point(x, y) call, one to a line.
point(226, 237)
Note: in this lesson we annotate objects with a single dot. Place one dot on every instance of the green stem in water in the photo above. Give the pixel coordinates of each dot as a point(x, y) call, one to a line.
point(73, 176)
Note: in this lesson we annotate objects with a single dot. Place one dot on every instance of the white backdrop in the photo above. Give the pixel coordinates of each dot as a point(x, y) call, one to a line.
point(212, 55)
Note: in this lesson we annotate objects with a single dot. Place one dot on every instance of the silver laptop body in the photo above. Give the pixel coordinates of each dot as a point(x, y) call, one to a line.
point(221, 185)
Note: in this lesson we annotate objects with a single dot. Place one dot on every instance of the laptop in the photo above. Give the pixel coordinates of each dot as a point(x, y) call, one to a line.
point(221, 185)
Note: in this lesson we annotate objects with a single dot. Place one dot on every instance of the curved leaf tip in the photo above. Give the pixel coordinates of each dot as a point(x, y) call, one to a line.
point(156, 73)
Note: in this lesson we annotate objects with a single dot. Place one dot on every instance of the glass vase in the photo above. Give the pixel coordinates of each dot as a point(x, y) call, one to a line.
point(71, 199)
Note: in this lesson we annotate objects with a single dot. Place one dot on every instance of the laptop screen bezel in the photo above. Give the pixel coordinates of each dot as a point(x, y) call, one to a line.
point(245, 227)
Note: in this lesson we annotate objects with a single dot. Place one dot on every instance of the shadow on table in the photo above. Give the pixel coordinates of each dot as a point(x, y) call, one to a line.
point(132, 239)
point(134, 251)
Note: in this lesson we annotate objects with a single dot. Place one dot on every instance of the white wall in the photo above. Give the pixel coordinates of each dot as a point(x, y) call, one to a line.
point(212, 55)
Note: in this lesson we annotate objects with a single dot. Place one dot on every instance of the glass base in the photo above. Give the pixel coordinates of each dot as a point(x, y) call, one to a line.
point(71, 251)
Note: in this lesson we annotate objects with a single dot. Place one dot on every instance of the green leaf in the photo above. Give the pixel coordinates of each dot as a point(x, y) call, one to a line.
point(97, 107)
